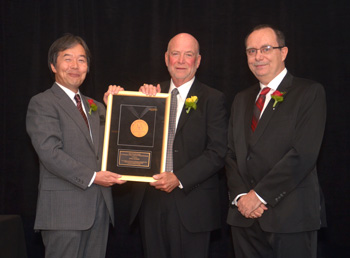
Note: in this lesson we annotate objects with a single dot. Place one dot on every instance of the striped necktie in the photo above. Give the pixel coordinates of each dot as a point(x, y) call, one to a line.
point(80, 108)
point(259, 104)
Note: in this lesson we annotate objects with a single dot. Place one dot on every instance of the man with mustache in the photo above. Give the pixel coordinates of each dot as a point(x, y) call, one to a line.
point(275, 133)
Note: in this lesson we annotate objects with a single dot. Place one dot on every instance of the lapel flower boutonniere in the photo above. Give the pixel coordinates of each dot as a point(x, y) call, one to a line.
point(191, 103)
point(92, 105)
point(278, 97)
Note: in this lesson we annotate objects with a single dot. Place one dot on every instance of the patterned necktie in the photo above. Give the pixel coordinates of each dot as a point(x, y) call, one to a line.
point(171, 130)
point(259, 104)
point(80, 108)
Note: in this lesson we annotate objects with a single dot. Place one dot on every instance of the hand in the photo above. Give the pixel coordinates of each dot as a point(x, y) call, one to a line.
point(258, 212)
point(166, 181)
point(112, 89)
point(149, 89)
point(107, 178)
point(248, 203)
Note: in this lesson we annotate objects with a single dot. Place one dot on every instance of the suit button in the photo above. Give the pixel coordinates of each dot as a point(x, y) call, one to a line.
point(248, 158)
point(176, 150)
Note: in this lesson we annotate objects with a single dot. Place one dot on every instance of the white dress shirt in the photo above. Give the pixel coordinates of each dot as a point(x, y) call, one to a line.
point(273, 85)
point(181, 99)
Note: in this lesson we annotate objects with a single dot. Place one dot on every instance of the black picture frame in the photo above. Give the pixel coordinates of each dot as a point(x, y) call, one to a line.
point(136, 134)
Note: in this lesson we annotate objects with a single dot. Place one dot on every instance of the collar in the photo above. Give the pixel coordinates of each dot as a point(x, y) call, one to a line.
point(276, 81)
point(183, 89)
point(70, 93)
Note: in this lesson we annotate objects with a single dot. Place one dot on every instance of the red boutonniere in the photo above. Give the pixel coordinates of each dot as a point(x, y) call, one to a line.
point(92, 105)
point(278, 97)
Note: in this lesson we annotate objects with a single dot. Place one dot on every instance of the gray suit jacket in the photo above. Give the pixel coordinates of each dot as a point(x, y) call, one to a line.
point(279, 159)
point(68, 159)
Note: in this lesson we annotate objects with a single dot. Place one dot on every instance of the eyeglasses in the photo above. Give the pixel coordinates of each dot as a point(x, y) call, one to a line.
point(265, 50)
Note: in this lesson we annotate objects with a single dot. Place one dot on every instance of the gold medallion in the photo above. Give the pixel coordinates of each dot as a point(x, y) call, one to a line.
point(139, 128)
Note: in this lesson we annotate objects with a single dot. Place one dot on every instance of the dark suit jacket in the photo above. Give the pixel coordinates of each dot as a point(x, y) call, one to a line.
point(199, 149)
point(279, 159)
point(68, 158)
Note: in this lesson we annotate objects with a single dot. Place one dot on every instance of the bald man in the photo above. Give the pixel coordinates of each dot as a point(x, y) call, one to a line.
point(179, 210)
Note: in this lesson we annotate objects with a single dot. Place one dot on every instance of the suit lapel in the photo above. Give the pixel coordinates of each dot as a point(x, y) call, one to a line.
point(68, 106)
point(195, 90)
point(269, 111)
point(94, 121)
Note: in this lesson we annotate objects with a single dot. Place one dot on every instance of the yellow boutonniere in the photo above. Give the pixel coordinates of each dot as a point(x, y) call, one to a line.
point(191, 103)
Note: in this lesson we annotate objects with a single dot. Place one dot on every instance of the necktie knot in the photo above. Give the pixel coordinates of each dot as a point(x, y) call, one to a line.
point(77, 98)
point(265, 91)
point(175, 91)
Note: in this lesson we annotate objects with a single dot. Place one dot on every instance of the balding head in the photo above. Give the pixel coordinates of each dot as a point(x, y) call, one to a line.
point(184, 37)
point(182, 58)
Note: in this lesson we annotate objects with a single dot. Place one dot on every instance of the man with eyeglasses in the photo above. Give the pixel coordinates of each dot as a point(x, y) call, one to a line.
point(275, 133)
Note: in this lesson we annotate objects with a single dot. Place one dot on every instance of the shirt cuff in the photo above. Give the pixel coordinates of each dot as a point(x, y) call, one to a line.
point(237, 197)
point(92, 179)
point(261, 199)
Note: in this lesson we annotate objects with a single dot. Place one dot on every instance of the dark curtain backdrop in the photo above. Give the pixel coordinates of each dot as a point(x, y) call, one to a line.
point(128, 39)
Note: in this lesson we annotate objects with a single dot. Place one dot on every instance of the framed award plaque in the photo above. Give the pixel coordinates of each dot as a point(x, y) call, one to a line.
point(136, 135)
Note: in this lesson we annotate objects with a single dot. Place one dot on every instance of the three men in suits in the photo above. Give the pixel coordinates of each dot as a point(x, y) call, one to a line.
point(271, 166)
point(75, 202)
point(178, 211)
